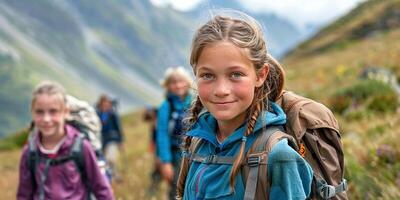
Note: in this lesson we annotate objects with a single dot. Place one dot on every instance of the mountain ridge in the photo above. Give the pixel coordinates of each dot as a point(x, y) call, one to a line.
point(116, 47)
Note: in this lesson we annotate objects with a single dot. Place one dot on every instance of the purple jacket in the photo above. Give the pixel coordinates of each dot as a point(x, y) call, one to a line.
point(64, 181)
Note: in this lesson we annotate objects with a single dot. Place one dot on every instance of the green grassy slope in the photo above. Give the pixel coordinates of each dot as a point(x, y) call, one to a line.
point(331, 62)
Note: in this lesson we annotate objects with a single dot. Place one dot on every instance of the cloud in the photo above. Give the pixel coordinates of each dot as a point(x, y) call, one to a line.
point(299, 12)
point(303, 12)
point(177, 4)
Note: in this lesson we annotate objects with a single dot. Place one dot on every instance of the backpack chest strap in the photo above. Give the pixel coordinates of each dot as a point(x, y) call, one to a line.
point(61, 160)
point(213, 159)
point(252, 160)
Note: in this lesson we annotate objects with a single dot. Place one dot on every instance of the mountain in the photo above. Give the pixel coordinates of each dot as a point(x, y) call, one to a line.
point(113, 47)
point(281, 35)
point(120, 48)
point(329, 66)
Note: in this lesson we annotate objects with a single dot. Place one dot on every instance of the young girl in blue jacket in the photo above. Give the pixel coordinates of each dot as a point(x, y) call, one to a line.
point(177, 84)
point(237, 82)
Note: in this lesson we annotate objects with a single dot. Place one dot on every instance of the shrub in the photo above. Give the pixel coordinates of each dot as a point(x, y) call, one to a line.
point(14, 141)
point(383, 103)
point(372, 95)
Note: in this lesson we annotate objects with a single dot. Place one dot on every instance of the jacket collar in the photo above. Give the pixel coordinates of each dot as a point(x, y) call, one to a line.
point(70, 133)
point(206, 126)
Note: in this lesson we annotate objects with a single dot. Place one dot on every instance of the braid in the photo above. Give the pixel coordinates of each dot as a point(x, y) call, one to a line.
point(194, 111)
point(255, 111)
point(184, 168)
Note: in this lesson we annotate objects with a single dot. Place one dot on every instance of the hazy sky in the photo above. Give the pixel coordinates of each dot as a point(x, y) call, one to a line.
point(299, 12)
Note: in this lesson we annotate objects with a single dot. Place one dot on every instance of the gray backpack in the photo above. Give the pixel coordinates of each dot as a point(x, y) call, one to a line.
point(84, 118)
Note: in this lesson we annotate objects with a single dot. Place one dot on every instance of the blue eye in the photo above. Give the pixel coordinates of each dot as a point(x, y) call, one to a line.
point(236, 75)
point(206, 76)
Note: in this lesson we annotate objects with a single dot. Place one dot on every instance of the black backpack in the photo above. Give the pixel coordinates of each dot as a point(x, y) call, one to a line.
point(75, 154)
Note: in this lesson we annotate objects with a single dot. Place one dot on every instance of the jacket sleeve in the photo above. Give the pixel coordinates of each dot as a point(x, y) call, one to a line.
point(98, 182)
point(162, 136)
point(25, 184)
point(290, 175)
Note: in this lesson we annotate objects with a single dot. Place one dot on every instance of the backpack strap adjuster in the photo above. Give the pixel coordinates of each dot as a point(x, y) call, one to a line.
point(185, 154)
point(209, 159)
point(328, 191)
point(253, 160)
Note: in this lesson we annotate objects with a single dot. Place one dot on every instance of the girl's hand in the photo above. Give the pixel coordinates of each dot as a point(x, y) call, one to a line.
point(167, 171)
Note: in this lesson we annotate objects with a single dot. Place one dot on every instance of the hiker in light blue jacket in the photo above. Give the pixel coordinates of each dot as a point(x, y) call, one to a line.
point(237, 83)
point(170, 114)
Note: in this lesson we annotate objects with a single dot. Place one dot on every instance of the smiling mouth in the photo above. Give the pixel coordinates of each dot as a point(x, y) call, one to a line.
point(223, 103)
point(47, 127)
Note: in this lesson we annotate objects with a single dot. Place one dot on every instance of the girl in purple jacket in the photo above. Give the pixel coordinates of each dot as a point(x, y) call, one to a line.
point(53, 139)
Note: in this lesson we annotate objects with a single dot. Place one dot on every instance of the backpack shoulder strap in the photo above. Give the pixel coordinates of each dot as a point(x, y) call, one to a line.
point(33, 157)
point(195, 143)
point(77, 156)
point(170, 106)
point(258, 155)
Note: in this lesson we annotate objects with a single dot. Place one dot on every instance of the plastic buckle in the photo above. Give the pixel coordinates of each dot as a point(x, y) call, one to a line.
point(253, 161)
point(209, 159)
point(345, 186)
point(185, 154)
point(327, 191)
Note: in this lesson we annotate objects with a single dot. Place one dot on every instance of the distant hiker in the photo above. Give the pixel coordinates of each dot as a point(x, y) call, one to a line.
point(150, 116)
point(177, 83)
point(111, 133)
point(48, 169)
point(234, 76)
point(83, 117)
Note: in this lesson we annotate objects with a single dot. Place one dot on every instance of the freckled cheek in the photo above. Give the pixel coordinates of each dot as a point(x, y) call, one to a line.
point(205, 90)
point(243, 91)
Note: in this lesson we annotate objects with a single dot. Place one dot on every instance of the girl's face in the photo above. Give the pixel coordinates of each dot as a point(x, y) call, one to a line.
point(178, 86)
point(48, 113)
point(226, 80)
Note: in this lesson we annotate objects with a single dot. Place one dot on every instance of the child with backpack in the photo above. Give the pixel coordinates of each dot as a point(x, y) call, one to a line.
point(111, 133)
point(177, 83)
point(47, 170)
point(232, 117)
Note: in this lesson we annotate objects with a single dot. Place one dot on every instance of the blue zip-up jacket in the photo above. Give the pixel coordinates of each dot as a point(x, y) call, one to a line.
point(290, 174)
point(163, 137)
